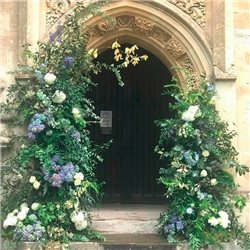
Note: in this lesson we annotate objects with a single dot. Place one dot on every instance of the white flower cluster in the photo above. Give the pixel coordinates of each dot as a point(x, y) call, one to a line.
point(35, 182)
point(78, 178)
point(76, 113)
point(190, 114)
point(18, 216)
point(203, 173)
point(58, 97)
point(223, 220)
point(13, 218)
point(79, 218)
point(49, 78)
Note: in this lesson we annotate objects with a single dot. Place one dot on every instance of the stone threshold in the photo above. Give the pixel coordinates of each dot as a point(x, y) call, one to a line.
point(125, 242)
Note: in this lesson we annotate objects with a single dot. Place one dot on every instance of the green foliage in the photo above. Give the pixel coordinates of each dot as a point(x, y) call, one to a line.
point(195, 145)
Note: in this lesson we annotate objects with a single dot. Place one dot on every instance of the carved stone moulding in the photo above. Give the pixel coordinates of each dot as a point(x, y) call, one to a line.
point(174, 48)
point(149, 30)
point(55, 9)
point(196, 9)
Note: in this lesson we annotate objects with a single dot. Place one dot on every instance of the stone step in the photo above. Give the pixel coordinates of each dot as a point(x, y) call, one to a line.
point(126, 218)
point(136, 242)
point(124, 242)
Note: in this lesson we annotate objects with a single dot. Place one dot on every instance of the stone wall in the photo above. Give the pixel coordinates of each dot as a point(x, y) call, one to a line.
point(241, 40)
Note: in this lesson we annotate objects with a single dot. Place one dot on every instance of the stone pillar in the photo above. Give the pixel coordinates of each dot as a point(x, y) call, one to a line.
point(10, 30)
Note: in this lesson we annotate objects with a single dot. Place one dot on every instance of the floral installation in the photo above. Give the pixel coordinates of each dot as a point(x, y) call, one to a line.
point(195, 146)
point(54, 165)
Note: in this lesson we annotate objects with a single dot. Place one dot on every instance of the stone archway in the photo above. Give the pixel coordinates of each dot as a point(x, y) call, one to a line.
point(173, 31)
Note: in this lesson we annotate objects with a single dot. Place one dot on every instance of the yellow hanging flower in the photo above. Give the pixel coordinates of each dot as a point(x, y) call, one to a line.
point(93, 52)
point(135, 60)
point(117, 51)
point(126, 63)
point(144, 57)
point(115, 45)
point(133, 48)
point(118, 57)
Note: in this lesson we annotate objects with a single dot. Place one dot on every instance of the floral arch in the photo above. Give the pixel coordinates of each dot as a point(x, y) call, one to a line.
point(174, 33)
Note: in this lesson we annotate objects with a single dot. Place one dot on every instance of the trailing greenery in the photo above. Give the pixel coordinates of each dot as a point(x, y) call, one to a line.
point(50, 183)
point(196, 147)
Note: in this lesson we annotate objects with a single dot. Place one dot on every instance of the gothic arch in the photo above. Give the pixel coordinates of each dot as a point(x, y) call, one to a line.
point(170, 29)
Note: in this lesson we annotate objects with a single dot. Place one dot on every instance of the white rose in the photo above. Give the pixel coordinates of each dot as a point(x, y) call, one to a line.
point(77, 182)
point(49, 78)
point(24, 205)
point(35, 206)
point(193, 109)
point(187, 116)
point(79, 176)
point(213, 182)
point(205, 153)
point(203, 173)
point(79, 219)
point(223, 214)
point(36, 184)
point(76, 113)
point(32, 179)
point(25, 210)
point(224, 222)
point(21, 216)
point(213, 221)
point(10, 221)
point(58, 97)
point(82, 225)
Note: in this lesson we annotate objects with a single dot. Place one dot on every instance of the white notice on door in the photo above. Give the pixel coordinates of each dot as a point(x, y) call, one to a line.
point(106, 119)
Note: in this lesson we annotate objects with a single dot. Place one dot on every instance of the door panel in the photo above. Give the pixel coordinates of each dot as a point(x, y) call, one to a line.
point(130, 168)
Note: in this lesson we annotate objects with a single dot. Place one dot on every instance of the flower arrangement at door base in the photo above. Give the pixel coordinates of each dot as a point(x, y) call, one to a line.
point(50, 185)
point(195, 146)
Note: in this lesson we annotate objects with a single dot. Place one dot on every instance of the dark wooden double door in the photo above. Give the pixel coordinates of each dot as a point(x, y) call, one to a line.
point(130, 168)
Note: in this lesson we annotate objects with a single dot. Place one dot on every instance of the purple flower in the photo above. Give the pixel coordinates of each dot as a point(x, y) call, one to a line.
point(59, 174)
point(56, 180)
point(57, 34)
point(168, 228)
point(32, 232)
point(174, 219)
point(55, 158)
point(76, 134)
point(36, 126)
point(31, 136)
point(52, 37)
point(56, 167)
point(68, 60)
point(191, 158)
point(68, 170)
point(179, 225)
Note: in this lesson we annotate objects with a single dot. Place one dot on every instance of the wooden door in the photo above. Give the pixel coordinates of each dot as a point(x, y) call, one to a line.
point(130, 168)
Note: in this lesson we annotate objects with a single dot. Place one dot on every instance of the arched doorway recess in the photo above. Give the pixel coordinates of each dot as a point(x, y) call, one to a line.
point(131, 167)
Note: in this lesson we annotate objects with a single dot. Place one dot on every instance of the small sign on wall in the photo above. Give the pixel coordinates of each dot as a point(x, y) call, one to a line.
point(106, 122)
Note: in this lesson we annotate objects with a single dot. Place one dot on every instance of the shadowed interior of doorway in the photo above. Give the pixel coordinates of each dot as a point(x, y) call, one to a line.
point(130, 168)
